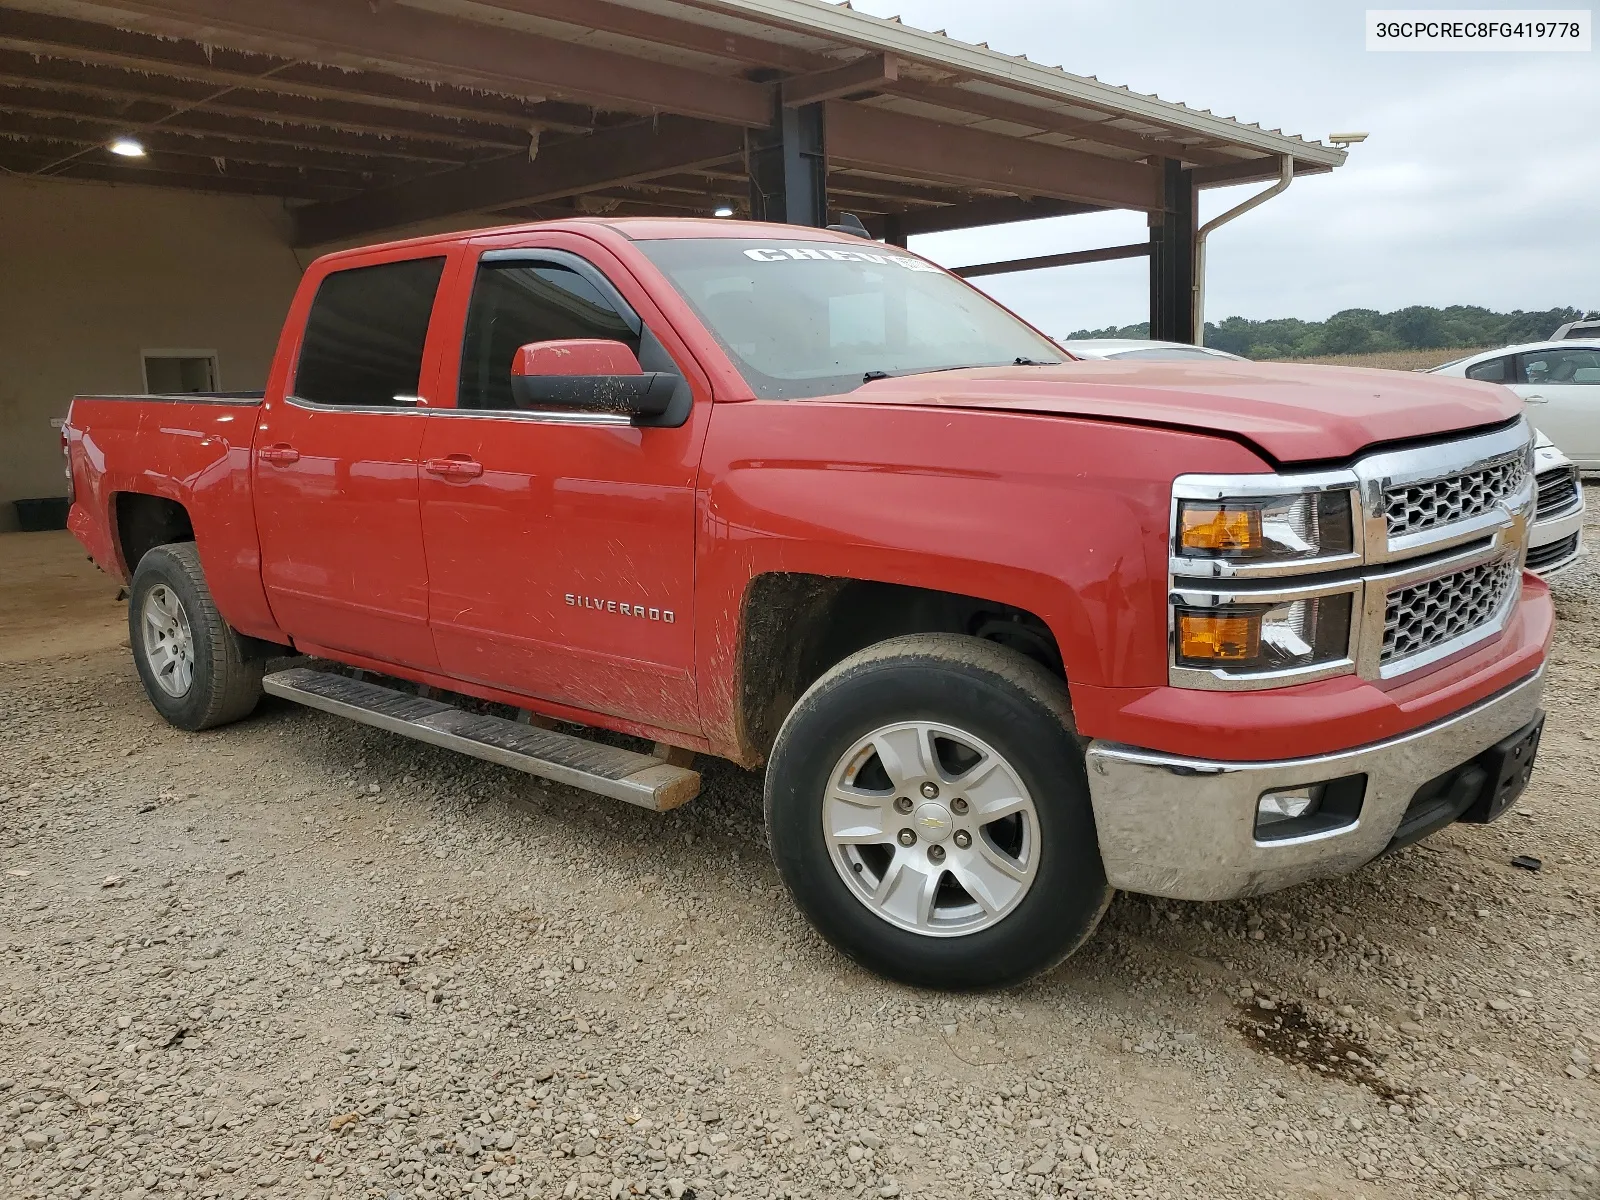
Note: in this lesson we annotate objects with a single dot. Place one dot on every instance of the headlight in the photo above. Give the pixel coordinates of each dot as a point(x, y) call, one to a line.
point(1247, 639)
point(1266, 528)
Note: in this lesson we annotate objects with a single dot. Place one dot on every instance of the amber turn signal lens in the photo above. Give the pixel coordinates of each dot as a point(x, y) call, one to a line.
point(1209, 637)
point(1218, 529)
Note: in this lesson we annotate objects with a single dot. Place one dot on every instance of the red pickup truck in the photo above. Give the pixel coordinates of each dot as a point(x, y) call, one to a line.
point(1008, 630)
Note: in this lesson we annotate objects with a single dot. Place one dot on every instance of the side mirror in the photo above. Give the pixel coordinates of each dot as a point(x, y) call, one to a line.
point(588, 373)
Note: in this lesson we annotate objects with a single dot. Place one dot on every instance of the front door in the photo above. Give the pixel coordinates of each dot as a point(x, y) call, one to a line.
point(335, 471)
point(1562, 388)
point(560, 545)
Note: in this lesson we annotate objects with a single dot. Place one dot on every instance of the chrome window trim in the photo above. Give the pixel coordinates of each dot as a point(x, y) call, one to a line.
point(319, 406)
point(548, 416)
point(1377, 566)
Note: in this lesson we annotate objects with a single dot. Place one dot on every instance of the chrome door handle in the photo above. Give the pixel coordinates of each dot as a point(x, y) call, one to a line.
point(454, 467)
point(1536, 400)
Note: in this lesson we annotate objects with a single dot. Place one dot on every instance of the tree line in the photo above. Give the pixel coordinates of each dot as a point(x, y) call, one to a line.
point(1367, 331)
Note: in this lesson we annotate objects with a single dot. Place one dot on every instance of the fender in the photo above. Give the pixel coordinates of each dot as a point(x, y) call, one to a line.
point(1063, 518)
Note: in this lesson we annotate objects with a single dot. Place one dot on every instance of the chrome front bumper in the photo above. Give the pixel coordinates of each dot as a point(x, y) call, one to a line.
point(1185, 827)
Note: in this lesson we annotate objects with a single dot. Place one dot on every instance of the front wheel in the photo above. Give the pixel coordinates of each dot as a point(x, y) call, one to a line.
point(927, 808)
point(196, 670)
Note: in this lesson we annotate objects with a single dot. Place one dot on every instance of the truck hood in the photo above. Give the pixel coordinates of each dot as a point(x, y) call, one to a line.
point(1292, 413)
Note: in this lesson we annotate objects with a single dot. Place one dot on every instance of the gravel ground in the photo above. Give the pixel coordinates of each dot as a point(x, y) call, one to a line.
point(302, 958)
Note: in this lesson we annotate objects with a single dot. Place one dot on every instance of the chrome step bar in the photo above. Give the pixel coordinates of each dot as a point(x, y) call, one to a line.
point(621, 774)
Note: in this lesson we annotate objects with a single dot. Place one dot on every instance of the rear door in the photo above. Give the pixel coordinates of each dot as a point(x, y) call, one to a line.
point(560, 545)
point(336, 468)
point(1562, 388)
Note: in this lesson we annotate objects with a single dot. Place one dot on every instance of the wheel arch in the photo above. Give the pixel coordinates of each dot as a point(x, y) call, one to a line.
point(141, 521)
point(795, 626)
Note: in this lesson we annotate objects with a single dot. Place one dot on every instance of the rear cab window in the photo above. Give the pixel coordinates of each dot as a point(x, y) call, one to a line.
point(366, 332)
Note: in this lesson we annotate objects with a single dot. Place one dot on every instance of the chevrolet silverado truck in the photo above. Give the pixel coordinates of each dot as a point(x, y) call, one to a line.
point(1007, 630)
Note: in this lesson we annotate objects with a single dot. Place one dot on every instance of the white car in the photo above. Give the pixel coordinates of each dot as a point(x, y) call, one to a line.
point(1559, 381)
point(1557, 535)
point(1135, 348)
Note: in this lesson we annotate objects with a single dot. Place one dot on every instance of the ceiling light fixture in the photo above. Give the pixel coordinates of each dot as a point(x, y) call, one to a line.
point(724, 211)
point(128, 147)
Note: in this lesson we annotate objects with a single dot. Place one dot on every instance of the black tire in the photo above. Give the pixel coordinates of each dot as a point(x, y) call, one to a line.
point(226, 683)
point(1021, 711)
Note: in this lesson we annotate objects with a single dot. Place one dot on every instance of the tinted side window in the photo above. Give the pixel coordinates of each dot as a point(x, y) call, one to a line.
point(364, 338)
point(516, 303)
point(1496, 370)
point(1577, 365)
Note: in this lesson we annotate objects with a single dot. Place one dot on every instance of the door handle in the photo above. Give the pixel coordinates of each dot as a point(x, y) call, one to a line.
point(280, 455)
point(1536, 400)
point(456, 466)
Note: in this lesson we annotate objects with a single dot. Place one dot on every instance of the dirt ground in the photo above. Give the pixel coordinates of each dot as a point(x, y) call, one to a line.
point(298, 957)
point(54, 603)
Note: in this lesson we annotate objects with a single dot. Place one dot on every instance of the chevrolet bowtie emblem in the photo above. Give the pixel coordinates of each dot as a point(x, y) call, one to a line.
point(931, 822)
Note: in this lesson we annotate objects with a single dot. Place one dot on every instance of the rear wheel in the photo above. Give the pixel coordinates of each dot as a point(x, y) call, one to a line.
point(928, 809)
point(196, 670)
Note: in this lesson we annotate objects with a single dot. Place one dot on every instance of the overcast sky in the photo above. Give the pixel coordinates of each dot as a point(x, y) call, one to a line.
point(1480, 183)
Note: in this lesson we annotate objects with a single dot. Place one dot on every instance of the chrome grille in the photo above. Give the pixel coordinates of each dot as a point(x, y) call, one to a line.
point(1558, 490)
point(1418, 507)
point(1426, 615)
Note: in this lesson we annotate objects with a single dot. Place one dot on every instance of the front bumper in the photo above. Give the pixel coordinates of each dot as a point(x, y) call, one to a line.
point(1568, 526)
point(1185, 827)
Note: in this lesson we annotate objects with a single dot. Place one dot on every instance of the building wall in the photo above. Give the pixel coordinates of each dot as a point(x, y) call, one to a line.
point(92, 274)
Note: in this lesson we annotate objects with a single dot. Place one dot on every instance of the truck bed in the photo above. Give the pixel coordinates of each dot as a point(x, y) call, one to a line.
point(190, 451)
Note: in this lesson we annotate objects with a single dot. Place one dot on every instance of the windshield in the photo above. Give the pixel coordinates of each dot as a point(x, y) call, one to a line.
point(815, 318)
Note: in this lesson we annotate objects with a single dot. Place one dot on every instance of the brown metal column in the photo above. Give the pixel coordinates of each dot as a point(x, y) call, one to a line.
point(1172, 257)
point(789, 167)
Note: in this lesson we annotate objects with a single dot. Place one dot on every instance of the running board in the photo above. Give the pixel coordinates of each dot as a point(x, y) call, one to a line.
point(621, 774)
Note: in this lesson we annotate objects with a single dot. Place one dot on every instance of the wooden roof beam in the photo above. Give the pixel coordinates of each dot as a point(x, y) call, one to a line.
point(1046, 121)
point(663, 30)
point(127, 87)
point(990, 210)
point(846, 184)
point(1250, 170)
point(869, 73)
point(875, 139)
point(64, 40)
point(361, 171)
point(160, 170)
point(625, 154)
point(201, 123)
point(425, 45)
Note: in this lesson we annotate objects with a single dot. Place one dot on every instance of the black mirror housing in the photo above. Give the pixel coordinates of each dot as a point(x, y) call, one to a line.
point(643, 395)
